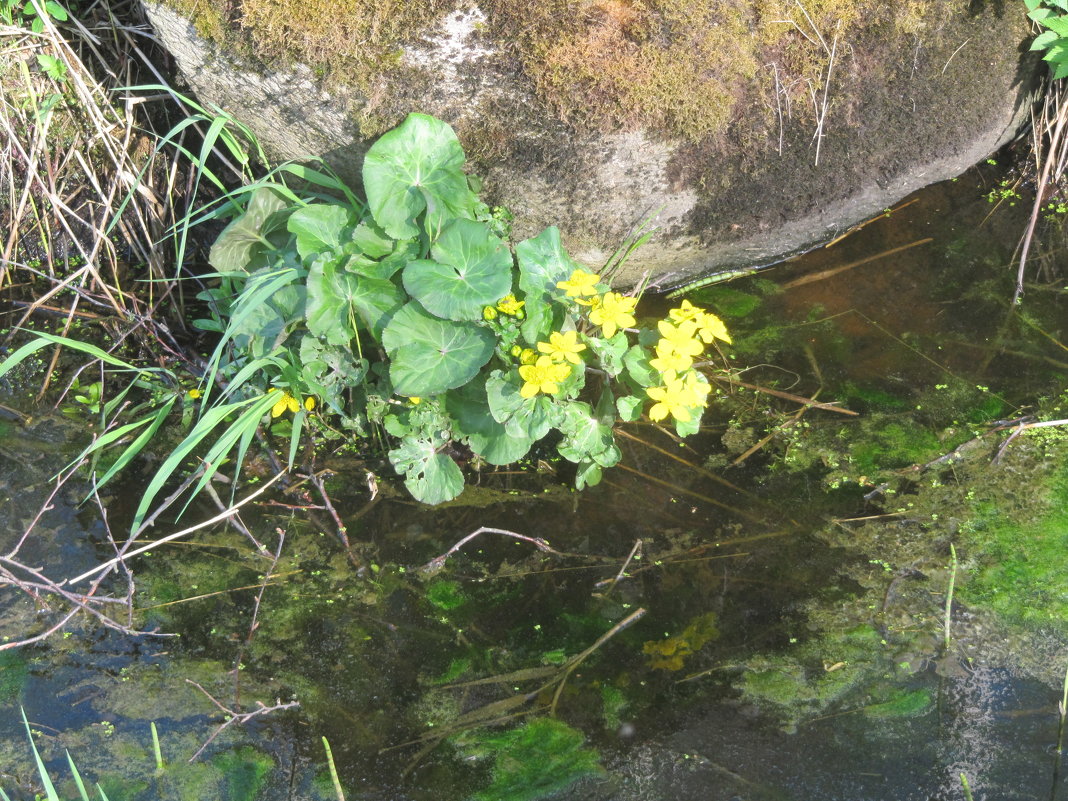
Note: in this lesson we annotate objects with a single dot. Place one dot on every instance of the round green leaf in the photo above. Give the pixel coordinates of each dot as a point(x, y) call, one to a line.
point(337, 296)
point(472, 269)
point(416, 168)
point(429, 356)
point(487, 438)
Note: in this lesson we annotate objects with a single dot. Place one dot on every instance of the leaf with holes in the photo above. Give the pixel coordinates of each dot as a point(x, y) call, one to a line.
point(430, 476)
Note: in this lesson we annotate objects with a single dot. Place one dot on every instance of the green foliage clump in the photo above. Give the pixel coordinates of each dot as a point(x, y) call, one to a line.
point(32, 15)
point(533, 761)
point(407, 315)
point(1053, 16)
point(411, 312)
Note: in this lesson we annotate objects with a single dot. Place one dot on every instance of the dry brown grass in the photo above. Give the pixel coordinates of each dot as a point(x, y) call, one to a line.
point(75, 150)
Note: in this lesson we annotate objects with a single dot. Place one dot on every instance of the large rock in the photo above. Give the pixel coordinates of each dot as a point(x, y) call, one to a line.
point(740, 145)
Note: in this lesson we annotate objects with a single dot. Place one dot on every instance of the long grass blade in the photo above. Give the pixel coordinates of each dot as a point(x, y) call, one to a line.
point(241, 430)
point(258, 290)
point(138, 444)
point(46, 781)
point(77, 778)
point(207, 423)
point(43, 340)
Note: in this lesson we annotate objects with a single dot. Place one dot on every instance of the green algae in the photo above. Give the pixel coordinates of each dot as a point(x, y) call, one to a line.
point(1018, 555)
point(533, 761)
point(902, 704)
point(14, 670)
point(445, 595)
point(830, 670)
point(246, 770)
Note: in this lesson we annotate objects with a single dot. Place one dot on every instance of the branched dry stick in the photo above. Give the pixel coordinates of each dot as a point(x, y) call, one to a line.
point(177, 535)
point(612, 582)
point(437, 562)
point(236, 717)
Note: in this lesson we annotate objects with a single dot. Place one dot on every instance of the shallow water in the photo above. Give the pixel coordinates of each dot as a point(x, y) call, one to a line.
point(777, 657)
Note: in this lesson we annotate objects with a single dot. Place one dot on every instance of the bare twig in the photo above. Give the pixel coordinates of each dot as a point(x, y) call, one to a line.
point(437, 562)
point(612, 582)
point(233, 716)
point(177, 535)
point(254, 624)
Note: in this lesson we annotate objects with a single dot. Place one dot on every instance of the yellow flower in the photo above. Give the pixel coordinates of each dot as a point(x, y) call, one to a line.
point(711, 327)
point(668, 359)
point(687, 311)
point(544, 375)
point(581, 284)
point(489, 313)
point(510, 306)
point(681, 337)
point(194, 394)
point(527, 356)
point(286, 402)
point(673, 398)
point(563, 347)
point(309, 403)
point(415, 400)
point(615, 311)
point(697, 389)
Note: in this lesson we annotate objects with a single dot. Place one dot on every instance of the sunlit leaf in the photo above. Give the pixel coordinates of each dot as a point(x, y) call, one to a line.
point(543, 263)
point(415, 168)
point(236, 247)
point(339, 300)
point(471, 269)
point(319, 227)
point(429, 355)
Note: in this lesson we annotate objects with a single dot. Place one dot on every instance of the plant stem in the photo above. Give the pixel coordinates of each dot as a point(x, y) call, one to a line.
point(949, 592)
point(333, 771)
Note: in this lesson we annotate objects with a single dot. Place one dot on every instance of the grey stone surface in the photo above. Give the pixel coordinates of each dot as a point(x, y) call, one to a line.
point(928, 115)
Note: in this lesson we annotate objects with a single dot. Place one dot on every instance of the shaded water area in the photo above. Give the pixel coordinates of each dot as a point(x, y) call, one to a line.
point(759, 614)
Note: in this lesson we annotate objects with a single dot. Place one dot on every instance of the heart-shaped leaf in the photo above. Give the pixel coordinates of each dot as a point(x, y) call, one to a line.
point(416, 168)
point(487, 438)
point(471, 269)
point(334, 294)
point(429, 355)
point(319, 227)
point(236, 247)
point(543, 263)
point(521, 417)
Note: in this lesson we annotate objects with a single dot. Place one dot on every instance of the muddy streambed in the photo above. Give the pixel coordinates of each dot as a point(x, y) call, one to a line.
point(759, 614)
